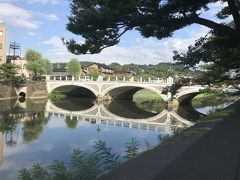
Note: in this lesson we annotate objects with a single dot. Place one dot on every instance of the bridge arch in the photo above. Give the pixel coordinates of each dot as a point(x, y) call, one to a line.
point(76, 85)
point(127, 92)
point(186, 95)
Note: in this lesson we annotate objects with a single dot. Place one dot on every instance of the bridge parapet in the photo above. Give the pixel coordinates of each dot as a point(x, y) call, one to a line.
point(168, 80)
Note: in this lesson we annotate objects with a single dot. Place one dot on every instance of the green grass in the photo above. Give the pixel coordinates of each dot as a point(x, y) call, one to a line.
point(146, 95)
point(56, 95)
point(210, 99)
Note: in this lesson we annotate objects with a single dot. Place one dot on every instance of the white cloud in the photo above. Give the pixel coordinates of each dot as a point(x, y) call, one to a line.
point(32, 34)
point(43, 1)
point(141, 51)
point(17, 16)
point(49, 17)
point(58, 52)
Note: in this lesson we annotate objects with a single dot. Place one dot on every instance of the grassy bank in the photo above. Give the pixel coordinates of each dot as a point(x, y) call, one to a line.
point(211, 99)
point(146, 95)
point(56, 95)
point(149, 101)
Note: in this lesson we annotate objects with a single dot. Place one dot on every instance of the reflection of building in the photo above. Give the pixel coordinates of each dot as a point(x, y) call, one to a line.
point(102, 68)
point(21, 63)
point(3, 42)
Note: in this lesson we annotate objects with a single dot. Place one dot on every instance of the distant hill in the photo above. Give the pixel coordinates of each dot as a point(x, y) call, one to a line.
point(161, 70)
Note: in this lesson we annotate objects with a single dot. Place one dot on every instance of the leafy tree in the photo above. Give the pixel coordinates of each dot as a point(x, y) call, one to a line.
point(8, 74)
point(212, 75)
point(82, 166)
point(132, 148)
point(116, 66)
point(32, 55)
point(37, 68)
point(176, 86)
point(102, 23)
point(37, 64)
point(74, 68)
point(49, 66)
point(94, 73)
point(221, 55)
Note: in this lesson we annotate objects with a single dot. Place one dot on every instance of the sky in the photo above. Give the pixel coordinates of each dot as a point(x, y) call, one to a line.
point(40, 25)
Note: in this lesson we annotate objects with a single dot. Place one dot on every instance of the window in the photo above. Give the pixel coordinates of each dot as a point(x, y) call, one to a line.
point(1, 33)
point(1, 46)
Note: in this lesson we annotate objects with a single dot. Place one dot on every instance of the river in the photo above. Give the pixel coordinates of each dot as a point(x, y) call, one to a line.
point(34, 131)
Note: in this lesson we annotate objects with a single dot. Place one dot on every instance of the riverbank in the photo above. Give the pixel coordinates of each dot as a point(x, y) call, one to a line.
point(146, 95)
point(149, 101)
point(209, 150)
point(212, 98)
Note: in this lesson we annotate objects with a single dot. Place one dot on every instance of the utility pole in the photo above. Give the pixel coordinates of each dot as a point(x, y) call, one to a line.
point(13, 48)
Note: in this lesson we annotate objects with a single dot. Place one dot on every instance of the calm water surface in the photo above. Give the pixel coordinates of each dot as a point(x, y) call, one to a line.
point(42, 131)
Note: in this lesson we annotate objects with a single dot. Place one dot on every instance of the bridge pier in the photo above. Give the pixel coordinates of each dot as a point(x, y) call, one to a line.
point(172, 104)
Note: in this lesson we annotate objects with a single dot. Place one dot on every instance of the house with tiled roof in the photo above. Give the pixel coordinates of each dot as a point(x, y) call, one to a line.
point(102, 68)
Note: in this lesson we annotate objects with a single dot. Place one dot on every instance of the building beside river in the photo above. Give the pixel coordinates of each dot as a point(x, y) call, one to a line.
point(21, 63)
point(3, 42)
point(101, 68)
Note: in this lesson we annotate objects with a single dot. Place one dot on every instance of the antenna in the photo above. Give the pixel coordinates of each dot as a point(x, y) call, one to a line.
point(13, 48)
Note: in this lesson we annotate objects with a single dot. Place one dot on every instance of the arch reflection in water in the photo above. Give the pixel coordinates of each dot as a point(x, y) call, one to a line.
point(99, 114)
point(43, 135)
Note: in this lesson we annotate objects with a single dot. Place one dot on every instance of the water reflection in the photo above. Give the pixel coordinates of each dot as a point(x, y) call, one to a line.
point(153, 106)
point(74, 103)
point(42, 131)
point(128, 109)
point(190, 113)
point(10, 127)
point(33, 127)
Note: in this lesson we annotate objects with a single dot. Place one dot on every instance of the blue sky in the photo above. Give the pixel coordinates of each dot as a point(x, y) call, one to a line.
point(40, 24)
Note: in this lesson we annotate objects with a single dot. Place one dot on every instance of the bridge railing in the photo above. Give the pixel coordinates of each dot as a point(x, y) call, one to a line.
point(169, 80)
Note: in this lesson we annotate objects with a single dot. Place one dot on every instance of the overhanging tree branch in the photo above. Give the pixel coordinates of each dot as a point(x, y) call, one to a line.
point(212, 25)
point(235, 13)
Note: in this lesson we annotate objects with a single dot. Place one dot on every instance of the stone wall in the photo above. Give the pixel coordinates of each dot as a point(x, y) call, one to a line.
point(36, 90)
point(7, 92)
point(31, 90)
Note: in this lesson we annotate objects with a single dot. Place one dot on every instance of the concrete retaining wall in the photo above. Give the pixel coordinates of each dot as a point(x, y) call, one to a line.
point(7, 92)
point(36, 90)
point(31, 90)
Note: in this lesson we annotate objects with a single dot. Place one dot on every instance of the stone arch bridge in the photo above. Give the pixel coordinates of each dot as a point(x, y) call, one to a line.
point(120, 89)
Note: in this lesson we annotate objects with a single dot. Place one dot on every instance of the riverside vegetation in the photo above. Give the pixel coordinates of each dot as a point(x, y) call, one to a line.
point(85, 166)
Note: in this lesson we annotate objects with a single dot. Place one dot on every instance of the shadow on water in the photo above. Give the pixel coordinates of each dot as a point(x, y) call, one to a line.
point(128, 109)
point(189, 113)
point(71, 103)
